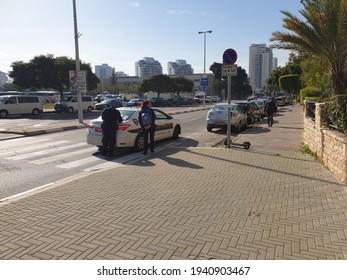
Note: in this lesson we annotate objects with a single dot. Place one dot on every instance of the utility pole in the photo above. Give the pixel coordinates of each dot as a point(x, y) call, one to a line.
point(77, 35)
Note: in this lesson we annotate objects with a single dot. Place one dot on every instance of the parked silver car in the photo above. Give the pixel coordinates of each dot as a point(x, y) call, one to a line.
point(217, 117)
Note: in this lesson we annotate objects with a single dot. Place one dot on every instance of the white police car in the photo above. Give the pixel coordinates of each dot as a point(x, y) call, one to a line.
point(129, 133)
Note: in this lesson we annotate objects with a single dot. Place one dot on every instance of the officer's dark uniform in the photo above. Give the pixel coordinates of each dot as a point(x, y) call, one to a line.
point(111, 117)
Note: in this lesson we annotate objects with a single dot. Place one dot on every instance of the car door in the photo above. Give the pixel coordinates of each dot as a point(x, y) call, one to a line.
point(164, 125)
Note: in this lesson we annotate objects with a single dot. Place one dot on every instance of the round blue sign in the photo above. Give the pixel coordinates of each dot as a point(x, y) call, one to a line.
point(229, 57)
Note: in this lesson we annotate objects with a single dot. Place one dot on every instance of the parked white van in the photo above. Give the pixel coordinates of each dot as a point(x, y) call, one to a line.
point(69, 103)
point(19, 105)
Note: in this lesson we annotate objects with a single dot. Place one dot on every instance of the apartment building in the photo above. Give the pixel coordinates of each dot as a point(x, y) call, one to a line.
point(180, 68)
point(103, 71)
point(261, 62)
point(148, 67)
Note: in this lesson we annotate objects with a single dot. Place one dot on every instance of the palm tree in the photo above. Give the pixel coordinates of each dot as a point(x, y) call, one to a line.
point(322, 34)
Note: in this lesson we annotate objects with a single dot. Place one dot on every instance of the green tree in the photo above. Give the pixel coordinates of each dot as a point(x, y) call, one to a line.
point(48, 72)
point(322, 33)
point(183, 84)
point(316, 75)
point(158, 83)
point(290, 83)
point(240, 87)
point(291, 67)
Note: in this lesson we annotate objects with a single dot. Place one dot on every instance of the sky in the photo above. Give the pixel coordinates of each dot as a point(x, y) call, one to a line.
point(121, 32)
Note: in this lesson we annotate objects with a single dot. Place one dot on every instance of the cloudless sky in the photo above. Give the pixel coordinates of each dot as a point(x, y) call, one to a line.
point(121, 32)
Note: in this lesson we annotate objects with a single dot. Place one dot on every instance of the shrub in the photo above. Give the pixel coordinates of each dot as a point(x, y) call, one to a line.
point(311, 94)
point(336, 112)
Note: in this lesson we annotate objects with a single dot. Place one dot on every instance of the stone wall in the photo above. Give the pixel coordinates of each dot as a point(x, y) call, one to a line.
point(329, 145)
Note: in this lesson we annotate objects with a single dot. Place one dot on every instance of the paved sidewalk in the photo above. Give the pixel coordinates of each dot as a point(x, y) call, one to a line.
point(269, 202)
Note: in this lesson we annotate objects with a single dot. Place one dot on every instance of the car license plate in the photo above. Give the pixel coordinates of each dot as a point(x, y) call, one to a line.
point(219, 123)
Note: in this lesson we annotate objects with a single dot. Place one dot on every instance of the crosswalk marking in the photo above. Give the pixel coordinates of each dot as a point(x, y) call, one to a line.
point(63, 156)
point(50, 151)
point(78, 163)
point(18, 145)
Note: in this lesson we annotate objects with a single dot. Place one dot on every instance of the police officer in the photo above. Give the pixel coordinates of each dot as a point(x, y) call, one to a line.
point(111, 118)
point(147, 128)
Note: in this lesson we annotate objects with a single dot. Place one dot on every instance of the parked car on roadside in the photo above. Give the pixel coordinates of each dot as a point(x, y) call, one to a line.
point(134, 102)
point(261, 105)
point(252, 111)
point(69, 103)
point(217, 117)
point(129, 132)
point(19, 105)
point(107, 103)
point(281, 101)
point(159, 102)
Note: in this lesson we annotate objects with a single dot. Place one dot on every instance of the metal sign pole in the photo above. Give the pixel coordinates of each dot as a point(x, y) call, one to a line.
point(229, 116)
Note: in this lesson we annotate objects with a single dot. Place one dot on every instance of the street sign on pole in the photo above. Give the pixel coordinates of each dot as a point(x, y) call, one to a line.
point(204, 82)
point(229, 57)
point(229, 70)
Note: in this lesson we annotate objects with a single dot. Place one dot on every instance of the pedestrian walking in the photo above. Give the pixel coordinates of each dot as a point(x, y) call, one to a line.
point(111, 117)
point(147, 121)
point(270, 109)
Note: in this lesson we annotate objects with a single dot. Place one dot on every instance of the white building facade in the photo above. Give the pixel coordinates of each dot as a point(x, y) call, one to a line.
point(180, 68)
point(103, 71)
point(148, 67)
point(261, 62)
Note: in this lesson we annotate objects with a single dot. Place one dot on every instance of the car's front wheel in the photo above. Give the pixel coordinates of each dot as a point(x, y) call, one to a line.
point(176, 133)
point(3, 114)
point(35, 112)
point(139, 143)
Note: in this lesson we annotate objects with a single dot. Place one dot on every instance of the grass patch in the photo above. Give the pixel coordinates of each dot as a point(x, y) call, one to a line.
point(48, 105)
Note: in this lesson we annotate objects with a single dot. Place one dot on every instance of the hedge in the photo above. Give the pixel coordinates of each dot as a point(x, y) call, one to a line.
point(311, 94)
point(336, 112)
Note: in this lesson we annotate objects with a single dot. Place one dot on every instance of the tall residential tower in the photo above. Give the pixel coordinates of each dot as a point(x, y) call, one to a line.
point(261, 63)
point(148, 67)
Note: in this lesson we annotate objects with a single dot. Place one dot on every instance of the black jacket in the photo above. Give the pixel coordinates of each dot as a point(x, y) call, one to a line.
point(111, 117)
point(270, 107)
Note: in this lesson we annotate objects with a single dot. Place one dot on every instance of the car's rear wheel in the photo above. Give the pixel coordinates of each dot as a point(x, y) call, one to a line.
point(209, 129)
point(90, 108)
point(239, 127)
point(139, 143)
point(70, 109)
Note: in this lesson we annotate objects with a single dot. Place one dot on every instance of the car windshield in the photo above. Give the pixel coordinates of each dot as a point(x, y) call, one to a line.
point(2, 99)
point(223, 107)
point(126, 114)
point(67, 98)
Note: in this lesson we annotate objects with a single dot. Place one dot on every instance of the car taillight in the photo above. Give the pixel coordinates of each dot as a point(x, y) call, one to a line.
point(123, 127)
point(90, 125)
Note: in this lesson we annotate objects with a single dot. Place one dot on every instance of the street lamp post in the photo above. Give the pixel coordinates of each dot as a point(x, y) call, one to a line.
point(204, 32)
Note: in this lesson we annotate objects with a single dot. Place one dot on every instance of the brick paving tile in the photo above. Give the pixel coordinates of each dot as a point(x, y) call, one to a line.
point(269, 202)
